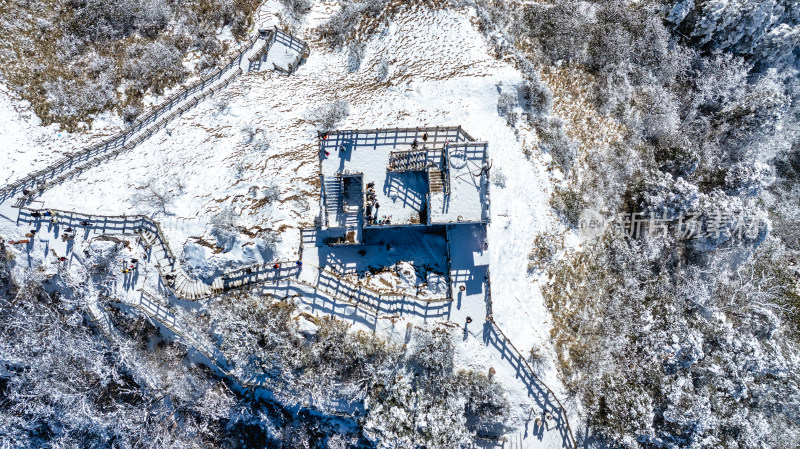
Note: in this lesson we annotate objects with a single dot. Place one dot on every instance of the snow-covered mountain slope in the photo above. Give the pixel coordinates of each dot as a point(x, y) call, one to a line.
point(440, 73)
point(252, 150)
point(26, 145)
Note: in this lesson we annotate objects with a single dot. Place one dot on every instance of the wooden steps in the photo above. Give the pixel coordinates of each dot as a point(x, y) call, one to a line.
point(436, 181)
point(413, 160)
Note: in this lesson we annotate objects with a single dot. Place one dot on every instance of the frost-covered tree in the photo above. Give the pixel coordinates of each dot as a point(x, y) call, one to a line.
point(506, 103)
point(155, 196)
point(485, 402)
point(224, 227)
point(766, 32)
point(383, 70)
point(560, 29)
point(538, 98)
point(152, 65)
point(341, 27)
point(666, 341)
point(61, 386)
point(674, 360)
point(411, 397)
point(554, 141)
point(355, 54)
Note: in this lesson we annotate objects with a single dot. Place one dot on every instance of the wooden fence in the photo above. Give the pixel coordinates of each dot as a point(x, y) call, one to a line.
point(393, 136)
point(525, 371)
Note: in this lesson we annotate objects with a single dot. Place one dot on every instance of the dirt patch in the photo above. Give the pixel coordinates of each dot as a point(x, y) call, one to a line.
point(202, 242)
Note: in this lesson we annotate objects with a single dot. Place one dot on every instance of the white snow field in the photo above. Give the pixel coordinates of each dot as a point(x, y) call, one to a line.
point(251, 151)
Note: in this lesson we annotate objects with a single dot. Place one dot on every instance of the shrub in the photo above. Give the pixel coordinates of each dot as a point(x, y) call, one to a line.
point(155, 195)
point(569, 203)
point(499, 178)
point(553, 140)
point(545, 248)
point(221, 105)
point(326, 117)
point(70, 59)
point(224, 227)
point(383, 70)
point(355, 53)
point(153, 65)
point(560, 29)
point(75, 100)
point(506, 103)
point(129, 112)
point(538, 98)
point(101, 21)
point(297, 8)
point(486, 404)
point(433, 350)
point(536, 357)
point(256, 137)
point(341, 26)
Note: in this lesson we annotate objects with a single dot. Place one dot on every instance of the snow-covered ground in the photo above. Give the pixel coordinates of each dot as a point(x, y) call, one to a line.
point(26, 146)
point(214, 161)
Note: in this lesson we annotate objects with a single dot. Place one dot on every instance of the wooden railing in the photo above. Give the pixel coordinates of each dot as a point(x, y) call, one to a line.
point(395, 136)
point(525, 370)
point(239, 278)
